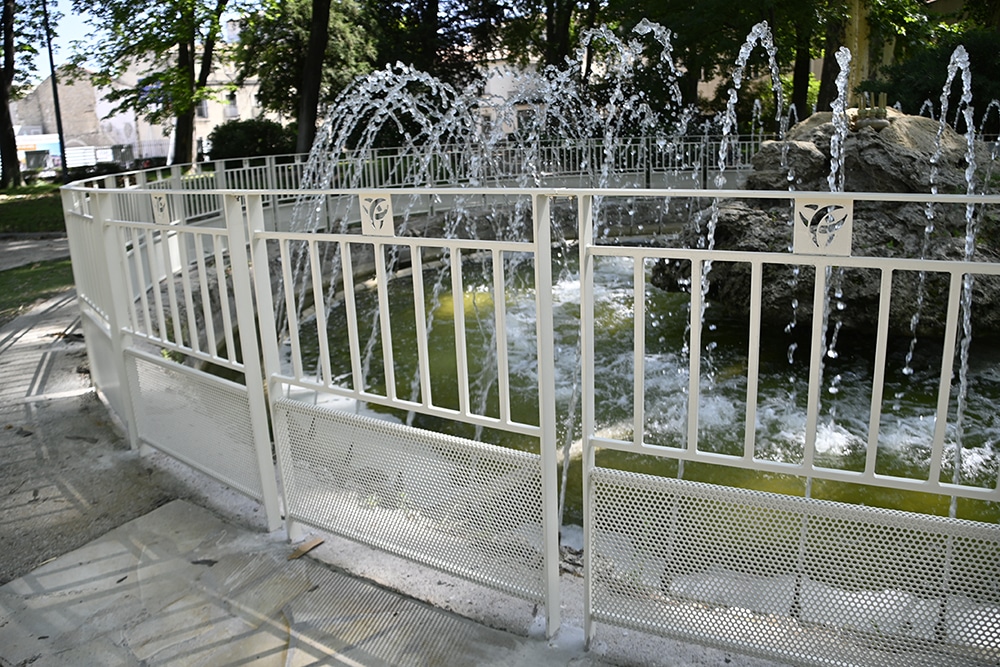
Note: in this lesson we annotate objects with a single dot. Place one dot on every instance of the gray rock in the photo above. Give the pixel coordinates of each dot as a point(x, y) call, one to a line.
point(897, 158)
point(779, 163)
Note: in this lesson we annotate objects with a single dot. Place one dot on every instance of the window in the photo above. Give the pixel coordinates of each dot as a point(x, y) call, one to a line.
point(231, 110)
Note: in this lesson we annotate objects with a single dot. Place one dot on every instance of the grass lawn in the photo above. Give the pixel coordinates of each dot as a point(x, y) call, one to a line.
point(24, 286)
point(31, 209)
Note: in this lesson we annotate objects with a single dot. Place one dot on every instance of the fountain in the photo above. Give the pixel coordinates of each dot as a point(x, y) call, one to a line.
point(460, 138)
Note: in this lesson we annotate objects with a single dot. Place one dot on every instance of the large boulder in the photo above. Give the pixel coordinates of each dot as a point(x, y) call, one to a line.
point(895, 158)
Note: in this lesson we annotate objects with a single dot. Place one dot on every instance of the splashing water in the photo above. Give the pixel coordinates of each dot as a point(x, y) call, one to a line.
point(835, 180)
point(432, 119)
point(960, 60)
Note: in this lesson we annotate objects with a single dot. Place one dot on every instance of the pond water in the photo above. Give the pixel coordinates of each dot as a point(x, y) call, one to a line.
point(907, 416)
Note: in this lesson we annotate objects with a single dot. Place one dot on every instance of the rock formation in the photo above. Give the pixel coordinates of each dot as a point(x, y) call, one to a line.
point(896, 158)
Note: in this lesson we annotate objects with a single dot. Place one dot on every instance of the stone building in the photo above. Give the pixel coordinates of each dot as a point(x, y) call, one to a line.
point(94, 133)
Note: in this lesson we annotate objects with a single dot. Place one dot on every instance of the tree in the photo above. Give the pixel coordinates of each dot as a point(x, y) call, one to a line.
point(551, 29)
point(274, 47)
point(251, 138)
point(8, 144)
point(312, 77)
point(707, 35)
point(983, 14)
point(174, 41)
point(20, 27)
point(445, 38)
point(921, 77)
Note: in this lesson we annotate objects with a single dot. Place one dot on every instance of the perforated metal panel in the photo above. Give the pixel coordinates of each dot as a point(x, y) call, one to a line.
point(803, 581)
point(201, 420)
point(461, 506)
point(101, 354)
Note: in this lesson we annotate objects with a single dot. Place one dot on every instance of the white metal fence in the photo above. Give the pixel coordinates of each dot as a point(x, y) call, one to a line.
point(186, 277)
point(799, 579)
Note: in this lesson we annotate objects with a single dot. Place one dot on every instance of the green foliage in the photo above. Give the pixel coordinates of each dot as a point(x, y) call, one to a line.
point(164, 40)
point(273, 44)
point(706, 45)
point(22, 287)
point(923, 75)
point(444, 39)
point(31, 209)
point(549, 30)
point(251, 138)
point(907, 23)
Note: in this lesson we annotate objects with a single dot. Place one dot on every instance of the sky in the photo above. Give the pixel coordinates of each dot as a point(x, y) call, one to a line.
point(70, 28)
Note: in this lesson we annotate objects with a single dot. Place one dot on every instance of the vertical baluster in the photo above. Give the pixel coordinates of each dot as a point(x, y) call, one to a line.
point(753, 360)
point(319, 306)
point(638, 350)
point(878, 372)
point(420, 323)
point(224, 305)
point(291, 309)
point(206, 297)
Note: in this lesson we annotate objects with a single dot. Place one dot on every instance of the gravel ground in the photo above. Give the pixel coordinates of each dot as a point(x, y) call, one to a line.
point(67, 475)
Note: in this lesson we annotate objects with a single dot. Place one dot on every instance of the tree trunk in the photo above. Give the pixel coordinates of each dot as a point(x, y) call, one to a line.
point(558, 18)
point(184, 113)
point(692, 77)
point(592, 10)
point(800, 72)
point(312, 75)
point(184, 138)
point(828, 76)
point(10, 173)
point(184, 119)
point(430, 42)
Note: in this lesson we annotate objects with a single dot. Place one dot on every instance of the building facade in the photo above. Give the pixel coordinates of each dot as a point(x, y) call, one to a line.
point(95, 133)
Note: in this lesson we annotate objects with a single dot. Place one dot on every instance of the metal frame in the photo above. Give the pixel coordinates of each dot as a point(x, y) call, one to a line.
point(138, 279)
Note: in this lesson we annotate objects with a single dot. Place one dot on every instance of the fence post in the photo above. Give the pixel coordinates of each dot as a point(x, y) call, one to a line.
point(547, 407)
point(586, 236)
point(245, 317)
point(101, 208)
point(219, 169)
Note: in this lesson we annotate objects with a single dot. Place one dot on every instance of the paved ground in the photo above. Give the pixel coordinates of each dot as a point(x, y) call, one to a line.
point(181, 586)
point(18, 251)
point(108, 557)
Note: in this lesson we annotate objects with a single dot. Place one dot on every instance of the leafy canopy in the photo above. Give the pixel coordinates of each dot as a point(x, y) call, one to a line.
point(273, 45)
point(162, 40)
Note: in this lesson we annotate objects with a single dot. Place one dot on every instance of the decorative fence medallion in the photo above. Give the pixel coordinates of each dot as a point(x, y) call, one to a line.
point(823, 226)
point(376, 214)
point(161, 212)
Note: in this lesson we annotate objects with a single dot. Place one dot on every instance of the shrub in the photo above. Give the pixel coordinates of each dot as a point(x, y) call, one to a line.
point(250, 138)
point(923, 76)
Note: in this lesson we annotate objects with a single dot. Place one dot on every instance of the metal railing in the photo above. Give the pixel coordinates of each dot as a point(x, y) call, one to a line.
point(181, 273)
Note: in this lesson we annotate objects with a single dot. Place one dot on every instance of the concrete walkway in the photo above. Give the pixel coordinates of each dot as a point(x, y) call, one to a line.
point(18, 251)
point(180, 586)
point(112, 558)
